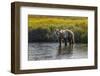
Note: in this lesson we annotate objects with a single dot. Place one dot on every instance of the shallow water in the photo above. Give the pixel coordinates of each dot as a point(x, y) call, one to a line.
point(52, 51)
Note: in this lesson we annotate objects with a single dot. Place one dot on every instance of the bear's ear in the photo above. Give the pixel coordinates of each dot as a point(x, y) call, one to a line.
point(56, 29)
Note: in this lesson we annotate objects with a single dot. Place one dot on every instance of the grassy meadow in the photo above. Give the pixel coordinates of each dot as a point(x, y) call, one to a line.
point(41, 27)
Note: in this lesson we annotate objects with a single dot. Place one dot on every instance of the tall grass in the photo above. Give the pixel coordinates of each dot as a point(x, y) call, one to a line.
point(79, 25)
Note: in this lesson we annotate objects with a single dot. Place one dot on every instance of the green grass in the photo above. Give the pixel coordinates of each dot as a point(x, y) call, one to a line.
point(79, 25)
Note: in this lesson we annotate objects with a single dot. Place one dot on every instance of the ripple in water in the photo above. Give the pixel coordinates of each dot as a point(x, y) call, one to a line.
point(51, 51)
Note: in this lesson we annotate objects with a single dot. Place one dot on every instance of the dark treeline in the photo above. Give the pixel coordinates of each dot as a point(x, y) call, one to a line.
point(43, 35)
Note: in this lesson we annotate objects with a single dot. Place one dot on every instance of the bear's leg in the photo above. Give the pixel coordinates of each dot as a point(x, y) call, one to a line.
point(70, 41)
point(60, 42)
point(65, 40)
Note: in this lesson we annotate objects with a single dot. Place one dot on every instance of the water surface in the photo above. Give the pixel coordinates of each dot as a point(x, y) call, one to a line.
point(52, 51)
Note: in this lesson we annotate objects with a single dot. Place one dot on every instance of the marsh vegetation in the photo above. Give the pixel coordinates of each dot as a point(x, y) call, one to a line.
point(41, 28)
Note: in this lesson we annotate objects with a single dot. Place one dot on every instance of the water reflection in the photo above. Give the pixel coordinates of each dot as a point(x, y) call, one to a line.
point(51, 51)
point(65, 51)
